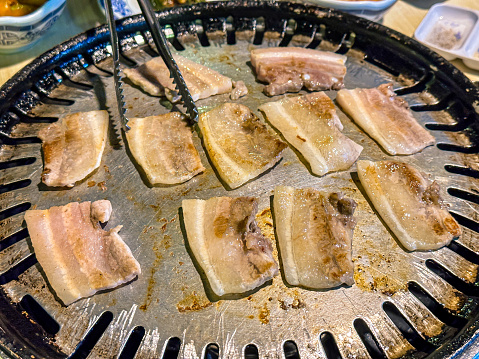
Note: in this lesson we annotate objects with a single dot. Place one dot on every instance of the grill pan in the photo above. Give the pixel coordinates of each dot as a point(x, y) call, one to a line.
point(403, 304)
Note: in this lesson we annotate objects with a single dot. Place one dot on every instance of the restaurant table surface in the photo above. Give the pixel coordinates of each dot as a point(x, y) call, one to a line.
point(80, 15)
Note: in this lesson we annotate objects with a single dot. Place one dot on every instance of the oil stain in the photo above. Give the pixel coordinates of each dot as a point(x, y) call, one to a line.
point(193, 303)
point(377, 282)
point(263, 314)
point(158, 249)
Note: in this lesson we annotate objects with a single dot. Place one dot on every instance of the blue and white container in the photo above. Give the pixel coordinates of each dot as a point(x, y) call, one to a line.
point(18, 33)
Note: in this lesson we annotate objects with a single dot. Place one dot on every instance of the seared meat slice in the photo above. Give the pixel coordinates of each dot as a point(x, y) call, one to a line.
point(78, 257)
point(289, 69)
point(72, 147)
point(315, 233)
point(163, 147)
point(409, 203)
point(228, 244)
point(240, 146)
point(311, 125)
point(386, 118)
point(154, 78)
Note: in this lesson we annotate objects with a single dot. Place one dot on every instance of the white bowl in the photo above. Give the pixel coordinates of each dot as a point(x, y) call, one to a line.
point(356, 5)
point(18, 33)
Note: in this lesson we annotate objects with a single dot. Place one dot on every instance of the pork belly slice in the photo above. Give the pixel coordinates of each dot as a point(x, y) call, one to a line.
point(228, 244)
point(315, 232)
point(311, 125)
point(78, 257)
point(409, 203)
point(163, 147)
point(289, 69)
point(154, 78)
point(72, 147)
point(240, 146)
point(386, 118)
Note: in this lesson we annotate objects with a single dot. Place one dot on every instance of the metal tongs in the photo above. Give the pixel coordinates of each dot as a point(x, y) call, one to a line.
point(162, 46)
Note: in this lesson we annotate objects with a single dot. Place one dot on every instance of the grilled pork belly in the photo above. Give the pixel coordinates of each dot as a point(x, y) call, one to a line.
point(72, 147)
point(409, 204)
point(228, 244)
point(386, 118)
point(315, 233)
point(311, 125)
point(240, 146)
point(289, 69)
point(154, 78)
point(163, 147)
point(78, 257)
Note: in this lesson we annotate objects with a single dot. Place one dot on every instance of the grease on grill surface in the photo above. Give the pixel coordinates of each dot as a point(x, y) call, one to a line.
point(193, 302)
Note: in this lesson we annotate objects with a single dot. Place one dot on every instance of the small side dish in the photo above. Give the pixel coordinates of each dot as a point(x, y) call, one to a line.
point(23, 23)
point(19, 7)
point(452, 31)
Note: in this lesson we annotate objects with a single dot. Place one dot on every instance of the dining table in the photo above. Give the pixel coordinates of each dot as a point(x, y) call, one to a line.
point(404, 16)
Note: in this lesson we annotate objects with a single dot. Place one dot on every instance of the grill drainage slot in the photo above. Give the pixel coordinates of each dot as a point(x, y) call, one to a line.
point(212, 351)
point(290, 350)
point(14, 238)
point(17, 163)
point(172, 348)
point(368, 339)
point(251, 352)
point(466, 222)
point(433, 305)
point(464, 252)
point(94, 334)
point(406, 329)
point(464, 171)
point(39, 314)
point(329, 345)
point(16, 270)
point(133, 343)
point(464, 287)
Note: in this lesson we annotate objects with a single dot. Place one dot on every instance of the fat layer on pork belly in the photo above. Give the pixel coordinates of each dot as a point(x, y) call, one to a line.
point(228, 244)
point(289, 69)
point(386, 118)
point(72, 147)
point(240, 146)
point(163, 147)
point(409, 204)
point(315, 233)
point(154, 78)
point(311, 125)
point(78, 257)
